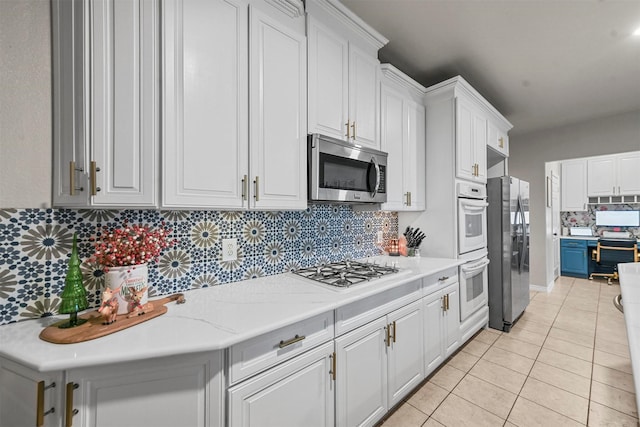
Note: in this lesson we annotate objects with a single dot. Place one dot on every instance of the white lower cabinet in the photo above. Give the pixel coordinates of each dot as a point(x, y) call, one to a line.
point(175, 391)
point(296, 393)
point(180, 391)
point(441, 326)
point(377, 365)
point(29, 398)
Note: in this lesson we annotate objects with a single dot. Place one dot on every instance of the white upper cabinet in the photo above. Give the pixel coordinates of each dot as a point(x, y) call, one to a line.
point(106, 99)
point(343, 74)
point(471, 143)
point(402, 136)
point(497, 138)
point(233, 138)
point(205, 103)
point(460, 117)
point(614, 175)
point(574, 185)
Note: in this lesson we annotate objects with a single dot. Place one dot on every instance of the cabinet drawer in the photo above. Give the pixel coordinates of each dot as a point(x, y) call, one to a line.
point(569, 243)
point(364, 311)
point(259, 353)
point(439, 280)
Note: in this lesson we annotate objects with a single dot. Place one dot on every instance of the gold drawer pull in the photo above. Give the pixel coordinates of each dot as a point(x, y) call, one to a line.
point(291, 341)
point(394, 331)
point(333, 365)
point(93, 178)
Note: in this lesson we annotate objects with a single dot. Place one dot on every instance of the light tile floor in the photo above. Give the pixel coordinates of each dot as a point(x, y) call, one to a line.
point(565, 363)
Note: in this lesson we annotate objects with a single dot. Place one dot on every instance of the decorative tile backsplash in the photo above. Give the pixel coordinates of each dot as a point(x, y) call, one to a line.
point(588, 218)
point(35, 245)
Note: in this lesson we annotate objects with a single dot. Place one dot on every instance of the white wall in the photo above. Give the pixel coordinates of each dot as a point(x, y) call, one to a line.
point(25, 104)
point(529, 152)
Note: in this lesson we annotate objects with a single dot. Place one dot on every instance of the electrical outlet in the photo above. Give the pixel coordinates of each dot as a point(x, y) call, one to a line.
point(380, 236)
point(229, 249)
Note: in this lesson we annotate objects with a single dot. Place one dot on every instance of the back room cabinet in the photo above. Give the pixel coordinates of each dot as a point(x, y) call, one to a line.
point(234, 105)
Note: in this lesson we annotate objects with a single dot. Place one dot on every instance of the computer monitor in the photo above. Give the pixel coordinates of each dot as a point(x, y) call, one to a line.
point(618, 218)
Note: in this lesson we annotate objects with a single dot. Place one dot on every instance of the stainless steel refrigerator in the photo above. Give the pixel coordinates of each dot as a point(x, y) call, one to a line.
point(508, 245)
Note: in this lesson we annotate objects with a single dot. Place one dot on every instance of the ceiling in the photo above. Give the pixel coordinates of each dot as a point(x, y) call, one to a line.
point(541, 63)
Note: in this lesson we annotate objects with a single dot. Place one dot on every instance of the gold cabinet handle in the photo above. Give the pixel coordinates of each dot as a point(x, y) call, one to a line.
point(446, 299)
point(256, 185)
point(69, 411)
point(394, 331)
point(348, 135)
point(244, 187)
point(388, 328)
point(293, 340)
point(40, 412)
point(72, 178)
point(501, 142)
point(353, 128)
point(333, 365)
point(410, 199)
point(92, 178)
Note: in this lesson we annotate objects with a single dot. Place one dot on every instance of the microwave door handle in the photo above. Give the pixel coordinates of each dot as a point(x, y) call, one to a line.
point(375, 165)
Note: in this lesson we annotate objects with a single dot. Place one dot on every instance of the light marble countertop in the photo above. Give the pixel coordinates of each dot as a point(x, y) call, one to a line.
point(211, 319)
point(630, 286)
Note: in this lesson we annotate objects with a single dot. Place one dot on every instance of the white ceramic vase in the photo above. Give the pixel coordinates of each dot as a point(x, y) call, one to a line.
point(129, 279)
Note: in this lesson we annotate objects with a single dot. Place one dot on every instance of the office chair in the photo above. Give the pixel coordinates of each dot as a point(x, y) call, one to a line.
point(610, 252)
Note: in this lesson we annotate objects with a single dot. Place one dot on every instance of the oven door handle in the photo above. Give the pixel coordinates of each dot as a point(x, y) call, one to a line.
point(475, 206)
point(475, 267)
point(374, 162)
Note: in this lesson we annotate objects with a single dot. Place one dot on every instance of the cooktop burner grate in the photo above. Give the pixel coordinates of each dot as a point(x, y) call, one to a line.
point(345, 273)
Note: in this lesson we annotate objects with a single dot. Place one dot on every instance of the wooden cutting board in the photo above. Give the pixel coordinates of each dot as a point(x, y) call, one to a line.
point(94, 327)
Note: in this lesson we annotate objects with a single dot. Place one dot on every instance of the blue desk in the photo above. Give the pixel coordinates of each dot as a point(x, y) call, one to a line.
point(575, 257)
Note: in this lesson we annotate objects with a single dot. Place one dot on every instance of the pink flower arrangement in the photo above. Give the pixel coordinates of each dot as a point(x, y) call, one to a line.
point(130, 245)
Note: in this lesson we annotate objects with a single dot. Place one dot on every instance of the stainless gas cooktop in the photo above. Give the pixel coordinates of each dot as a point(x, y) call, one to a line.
point(345, 273)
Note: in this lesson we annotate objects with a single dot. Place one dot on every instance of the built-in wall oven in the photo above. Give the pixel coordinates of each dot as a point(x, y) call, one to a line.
point(472, 217)
point(472, 247)
point(474, 283)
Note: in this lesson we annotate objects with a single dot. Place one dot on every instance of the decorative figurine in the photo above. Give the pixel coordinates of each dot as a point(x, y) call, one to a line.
point(74, 296)
point(135, 307)
point(109, 306)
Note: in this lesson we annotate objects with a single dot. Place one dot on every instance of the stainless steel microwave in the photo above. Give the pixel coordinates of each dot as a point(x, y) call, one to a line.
point(342, 172)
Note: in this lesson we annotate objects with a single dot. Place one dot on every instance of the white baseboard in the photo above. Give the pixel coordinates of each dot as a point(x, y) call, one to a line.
point(545, 289)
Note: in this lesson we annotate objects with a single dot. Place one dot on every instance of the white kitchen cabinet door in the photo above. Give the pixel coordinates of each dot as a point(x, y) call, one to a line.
point(497, 139)
point(574, 185)
point(441, 326)
point(471, 142)
point(433, 310)
point(393, 129)
point(106, 102)
point(29, 398)
point(405, 361)
point(601, 176)
point(361, 375)
point(628, 171)
point(328, 65)
point(363, 97)
point(205, 103)
point(451, 333)
point(124, 130)
point(415, 157)
point(278, 112)
point(297, 393)
point(181, 391)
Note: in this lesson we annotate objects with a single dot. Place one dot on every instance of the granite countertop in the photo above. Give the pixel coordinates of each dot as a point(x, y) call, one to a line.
point(630, 287)
point(211, 319)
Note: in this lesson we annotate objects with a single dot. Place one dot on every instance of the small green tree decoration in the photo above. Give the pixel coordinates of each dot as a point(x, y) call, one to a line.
point(74, 296)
